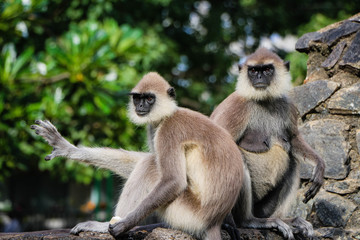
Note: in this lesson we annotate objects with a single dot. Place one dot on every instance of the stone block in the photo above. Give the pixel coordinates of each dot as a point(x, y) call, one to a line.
point(358, 140)
point(351, 58)
point(328, 138)
point(346, 100)
point(343, 187)
point(303, 44)
point(332, 36)
point(306, 97)
point(334, 56)
point(333, 210)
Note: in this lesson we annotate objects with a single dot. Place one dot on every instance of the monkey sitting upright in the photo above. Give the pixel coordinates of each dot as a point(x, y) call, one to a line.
point(263, 123)
point(193, 177)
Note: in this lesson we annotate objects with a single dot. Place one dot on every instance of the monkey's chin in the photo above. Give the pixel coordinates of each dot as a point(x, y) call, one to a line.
point(260, 88)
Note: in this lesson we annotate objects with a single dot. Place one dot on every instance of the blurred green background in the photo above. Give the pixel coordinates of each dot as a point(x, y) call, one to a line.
point(72, 62)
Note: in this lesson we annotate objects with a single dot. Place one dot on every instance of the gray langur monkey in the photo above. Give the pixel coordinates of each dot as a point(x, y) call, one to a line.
point(192, 178)
point(263, 122)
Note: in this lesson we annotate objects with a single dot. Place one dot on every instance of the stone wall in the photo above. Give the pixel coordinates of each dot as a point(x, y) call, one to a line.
point(329, 105)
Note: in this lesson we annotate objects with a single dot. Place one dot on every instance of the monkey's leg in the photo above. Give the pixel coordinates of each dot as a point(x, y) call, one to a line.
point(230, 227)
point(213, 233)
point(154, 187)
point(243, 215)
point(120, 161)
point(140, 181)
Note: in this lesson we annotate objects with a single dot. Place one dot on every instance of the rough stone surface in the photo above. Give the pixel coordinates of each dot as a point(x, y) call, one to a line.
point(343, 187)
point(333, 210)
point(351, 59)
point(346, 79)
point(346, 101)
point(310, 95)
point(358, 140)
point(314, 70)
point(164, 234)
point(328, 138)
point(303, 44)
point(332, 127)
point(329, 37)
point(334, 56)
point(354, 221)
point(156, 234)
point(333, 35)
point(331, 233)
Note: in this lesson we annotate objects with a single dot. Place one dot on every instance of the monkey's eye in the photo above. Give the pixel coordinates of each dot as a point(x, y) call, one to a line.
point(267, 71)
point(150, 99)
point(136, 99)
point(252, 71)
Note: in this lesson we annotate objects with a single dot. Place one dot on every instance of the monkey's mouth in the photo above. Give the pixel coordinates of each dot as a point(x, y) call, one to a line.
point(260, 86)
point(141, 113)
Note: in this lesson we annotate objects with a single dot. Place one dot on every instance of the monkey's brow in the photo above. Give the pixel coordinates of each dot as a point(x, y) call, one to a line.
point(140, 95)
point(261, 66)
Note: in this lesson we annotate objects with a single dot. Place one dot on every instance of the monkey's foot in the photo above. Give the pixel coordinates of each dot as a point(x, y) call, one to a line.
point(301, 226)
point(90, 226)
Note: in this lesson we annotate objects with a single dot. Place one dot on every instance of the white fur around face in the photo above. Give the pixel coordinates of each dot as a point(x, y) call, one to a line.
point(280, 85)
point(164, 107)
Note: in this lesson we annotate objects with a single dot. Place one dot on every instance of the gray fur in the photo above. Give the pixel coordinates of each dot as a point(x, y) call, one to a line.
point(263, 122)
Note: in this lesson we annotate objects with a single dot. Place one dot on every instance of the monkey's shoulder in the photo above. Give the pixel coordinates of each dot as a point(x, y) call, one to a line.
point(234, 103)
point(189, 124)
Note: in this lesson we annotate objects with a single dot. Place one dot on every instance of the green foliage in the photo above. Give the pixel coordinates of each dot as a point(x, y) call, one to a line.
point(80, 82)
point(72, 62)
point(297, 67)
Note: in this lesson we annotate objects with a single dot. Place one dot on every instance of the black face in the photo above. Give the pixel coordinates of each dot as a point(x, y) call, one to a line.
point(143, 102)
point(261, 75)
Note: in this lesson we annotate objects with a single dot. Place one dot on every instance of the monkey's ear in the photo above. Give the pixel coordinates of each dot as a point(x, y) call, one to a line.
point(287, 65)
point(240, 66)
point(171, 92)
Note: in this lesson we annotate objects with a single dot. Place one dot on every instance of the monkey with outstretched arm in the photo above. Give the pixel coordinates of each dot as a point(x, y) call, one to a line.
point(192, 178)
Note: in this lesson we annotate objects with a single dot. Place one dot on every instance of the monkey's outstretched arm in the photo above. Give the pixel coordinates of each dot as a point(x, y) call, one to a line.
point(300, 147)
point(119, 161)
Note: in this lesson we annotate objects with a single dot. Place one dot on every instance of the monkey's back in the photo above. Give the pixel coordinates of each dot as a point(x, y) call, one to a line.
point(214, 167)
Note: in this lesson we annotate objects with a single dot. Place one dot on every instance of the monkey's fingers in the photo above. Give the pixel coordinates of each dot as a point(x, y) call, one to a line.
point(302, 226)
point(286, 231)
point(48, 131)
point(313, 190)
point(51, 156)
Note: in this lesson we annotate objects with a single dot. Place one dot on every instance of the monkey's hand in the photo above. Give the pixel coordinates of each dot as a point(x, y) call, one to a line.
point(316, 182)
point(51, 135)
point(90, 226)
point(120, 226)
